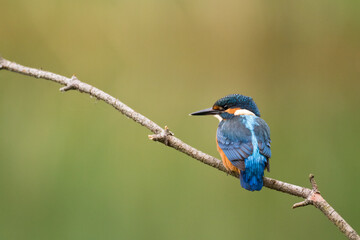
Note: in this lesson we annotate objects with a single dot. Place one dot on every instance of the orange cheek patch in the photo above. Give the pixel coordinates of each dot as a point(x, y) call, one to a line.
point(232, 110)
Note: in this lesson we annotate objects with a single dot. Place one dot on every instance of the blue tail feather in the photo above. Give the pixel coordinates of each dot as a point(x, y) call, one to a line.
point(252, 178)
point(252, 183)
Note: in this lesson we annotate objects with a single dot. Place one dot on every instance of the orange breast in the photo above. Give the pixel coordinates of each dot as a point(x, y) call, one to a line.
point(226, 162)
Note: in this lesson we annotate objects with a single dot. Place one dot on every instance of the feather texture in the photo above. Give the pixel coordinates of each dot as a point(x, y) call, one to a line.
point(245, 140)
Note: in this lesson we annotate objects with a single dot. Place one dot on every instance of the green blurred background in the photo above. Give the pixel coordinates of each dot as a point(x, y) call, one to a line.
point(72, 167)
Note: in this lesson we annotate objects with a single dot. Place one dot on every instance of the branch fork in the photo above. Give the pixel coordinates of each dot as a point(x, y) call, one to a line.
point(71, 85)
point(163, 136)
point(313, 197)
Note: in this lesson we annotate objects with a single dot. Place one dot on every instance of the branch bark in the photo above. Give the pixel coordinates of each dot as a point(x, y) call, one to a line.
point(311, 196)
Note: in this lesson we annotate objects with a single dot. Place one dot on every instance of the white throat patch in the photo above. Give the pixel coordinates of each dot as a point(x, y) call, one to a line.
point(243, 112)
point(218, 117)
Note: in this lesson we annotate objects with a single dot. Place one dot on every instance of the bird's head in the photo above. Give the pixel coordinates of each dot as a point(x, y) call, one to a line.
point(231, 105)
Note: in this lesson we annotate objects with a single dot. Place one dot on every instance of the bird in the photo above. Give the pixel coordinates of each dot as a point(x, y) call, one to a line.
point(242, 137)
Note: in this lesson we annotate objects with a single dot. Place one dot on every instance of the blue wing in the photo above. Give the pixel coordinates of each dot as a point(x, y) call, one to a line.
point(245, 140)
point(236, 145)
point(262, 133)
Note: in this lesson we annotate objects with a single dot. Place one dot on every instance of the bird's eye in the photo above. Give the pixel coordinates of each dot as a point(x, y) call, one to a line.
point(226, 106)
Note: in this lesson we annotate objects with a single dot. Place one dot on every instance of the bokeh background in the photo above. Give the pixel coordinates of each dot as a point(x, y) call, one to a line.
point(72, 167)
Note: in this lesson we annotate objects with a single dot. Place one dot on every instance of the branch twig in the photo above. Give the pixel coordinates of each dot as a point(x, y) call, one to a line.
point(311, 196)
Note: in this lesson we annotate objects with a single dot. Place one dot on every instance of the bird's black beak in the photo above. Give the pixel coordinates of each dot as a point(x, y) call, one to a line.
point(208, 111)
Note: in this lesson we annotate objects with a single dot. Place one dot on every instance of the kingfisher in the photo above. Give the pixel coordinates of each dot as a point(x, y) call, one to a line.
point(242, 137)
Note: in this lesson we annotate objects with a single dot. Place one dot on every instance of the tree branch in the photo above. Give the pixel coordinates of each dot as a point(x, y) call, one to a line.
point(311, 196)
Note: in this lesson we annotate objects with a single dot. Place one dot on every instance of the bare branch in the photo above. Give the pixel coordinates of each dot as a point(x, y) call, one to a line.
point(313, 183)
point(301, 204)
point(311, 196)
point(315, 198)
point(73, 84)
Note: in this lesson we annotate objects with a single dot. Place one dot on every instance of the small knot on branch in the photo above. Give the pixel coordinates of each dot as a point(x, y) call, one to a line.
point(162, 136)
point(72, 84)
point(314, 195)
